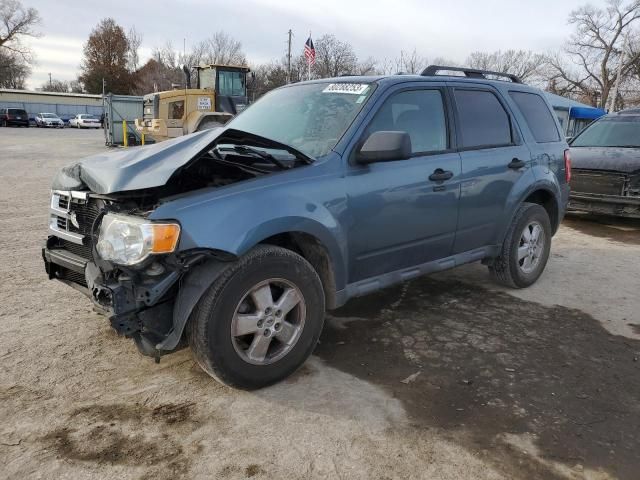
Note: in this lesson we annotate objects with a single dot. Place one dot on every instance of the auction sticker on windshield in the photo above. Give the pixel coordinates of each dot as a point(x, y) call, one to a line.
point(350, 88)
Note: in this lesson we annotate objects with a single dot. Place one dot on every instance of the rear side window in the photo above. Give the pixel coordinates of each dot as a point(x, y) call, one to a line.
point(483, 120)
point(420, 113)
point(537, 115)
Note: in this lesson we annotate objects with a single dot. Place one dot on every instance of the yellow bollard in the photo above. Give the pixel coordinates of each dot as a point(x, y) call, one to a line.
point(142, 135)
point(125, 140)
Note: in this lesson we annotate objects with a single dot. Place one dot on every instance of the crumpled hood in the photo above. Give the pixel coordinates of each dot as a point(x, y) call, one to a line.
point(133, 168)
point(626, 160)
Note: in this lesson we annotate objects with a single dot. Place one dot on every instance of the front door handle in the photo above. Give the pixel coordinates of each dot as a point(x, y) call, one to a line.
point(516, 164)
point(440, 175)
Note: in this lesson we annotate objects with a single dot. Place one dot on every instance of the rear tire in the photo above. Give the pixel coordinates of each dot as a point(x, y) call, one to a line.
point(260, 320)
point(525, 250)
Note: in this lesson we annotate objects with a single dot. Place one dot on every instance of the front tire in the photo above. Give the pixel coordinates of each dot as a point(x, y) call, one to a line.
point(525, 250)
point(260, 320)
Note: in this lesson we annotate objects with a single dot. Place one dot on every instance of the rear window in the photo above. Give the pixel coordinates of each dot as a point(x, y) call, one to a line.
point(16, 111)
point(483, 120)
point(537, 115)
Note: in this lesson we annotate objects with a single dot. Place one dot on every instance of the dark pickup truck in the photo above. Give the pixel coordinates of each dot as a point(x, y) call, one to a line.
point(234, 241)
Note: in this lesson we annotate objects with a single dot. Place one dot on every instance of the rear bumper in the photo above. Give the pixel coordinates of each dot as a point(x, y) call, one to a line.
point(615, 205)
point(18, 123)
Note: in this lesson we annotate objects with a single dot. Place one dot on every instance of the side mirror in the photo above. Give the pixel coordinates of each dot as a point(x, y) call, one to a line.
point(384, 147)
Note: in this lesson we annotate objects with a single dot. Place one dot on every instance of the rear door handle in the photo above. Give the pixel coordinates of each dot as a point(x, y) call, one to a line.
point(440, 175)
point(516, 164)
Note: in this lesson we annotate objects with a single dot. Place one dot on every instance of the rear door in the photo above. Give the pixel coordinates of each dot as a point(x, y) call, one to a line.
point(545, 141)
point(493, 158)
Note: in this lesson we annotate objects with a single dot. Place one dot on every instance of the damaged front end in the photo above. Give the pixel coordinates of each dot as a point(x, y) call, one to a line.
point(606, 192)
point(103, 240)
point(143, 300)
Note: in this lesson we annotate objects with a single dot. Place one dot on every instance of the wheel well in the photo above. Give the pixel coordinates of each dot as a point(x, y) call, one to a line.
point(546, 199)
point(314, 252)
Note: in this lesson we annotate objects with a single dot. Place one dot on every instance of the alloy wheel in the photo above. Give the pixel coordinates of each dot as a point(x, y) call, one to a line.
point(268, 321)
point(531, 247)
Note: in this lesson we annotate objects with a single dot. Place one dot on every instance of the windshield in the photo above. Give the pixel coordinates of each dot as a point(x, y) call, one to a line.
point(610, 132)
point(48, 115)
point(309, 117)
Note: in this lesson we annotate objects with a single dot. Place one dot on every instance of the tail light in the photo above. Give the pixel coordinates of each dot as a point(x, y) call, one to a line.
point(567, 166)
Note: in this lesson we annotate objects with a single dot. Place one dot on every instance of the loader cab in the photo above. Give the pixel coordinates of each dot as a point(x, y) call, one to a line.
point(229, 84)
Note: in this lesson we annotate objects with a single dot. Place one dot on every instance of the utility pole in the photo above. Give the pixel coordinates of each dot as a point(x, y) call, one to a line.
point(104, 84)
point(616, 86)
point(289, 58)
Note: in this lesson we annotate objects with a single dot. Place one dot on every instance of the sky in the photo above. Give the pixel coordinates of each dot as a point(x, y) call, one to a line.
point(435, 28)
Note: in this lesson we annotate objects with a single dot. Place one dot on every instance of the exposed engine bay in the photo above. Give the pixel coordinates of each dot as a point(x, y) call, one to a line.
point(144, 300)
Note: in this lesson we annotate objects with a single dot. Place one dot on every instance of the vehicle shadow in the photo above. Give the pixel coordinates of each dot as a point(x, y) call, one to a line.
point(491, 367)
point(626, 230)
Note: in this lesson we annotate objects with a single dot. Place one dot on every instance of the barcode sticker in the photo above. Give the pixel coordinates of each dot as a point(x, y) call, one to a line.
point(349, 88)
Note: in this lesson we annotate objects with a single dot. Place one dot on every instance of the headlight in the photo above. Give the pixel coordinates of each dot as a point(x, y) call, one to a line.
point(129, 240)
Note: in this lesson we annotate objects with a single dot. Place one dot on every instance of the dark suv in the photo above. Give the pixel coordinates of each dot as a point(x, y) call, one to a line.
point(235, 240)
point(14, 116)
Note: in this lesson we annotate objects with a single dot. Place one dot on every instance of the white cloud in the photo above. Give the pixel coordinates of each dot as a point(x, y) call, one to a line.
point(375, 28)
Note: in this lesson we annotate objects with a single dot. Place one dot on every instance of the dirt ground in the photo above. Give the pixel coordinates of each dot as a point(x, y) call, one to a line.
point(446, 377)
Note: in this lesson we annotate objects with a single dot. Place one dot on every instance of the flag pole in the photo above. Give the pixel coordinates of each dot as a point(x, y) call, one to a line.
point(309, 63)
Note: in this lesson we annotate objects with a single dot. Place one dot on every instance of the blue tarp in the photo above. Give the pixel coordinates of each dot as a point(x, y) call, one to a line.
point(587, 113)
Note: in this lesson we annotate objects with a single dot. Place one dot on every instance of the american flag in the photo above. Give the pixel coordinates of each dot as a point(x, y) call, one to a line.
point(310, 52)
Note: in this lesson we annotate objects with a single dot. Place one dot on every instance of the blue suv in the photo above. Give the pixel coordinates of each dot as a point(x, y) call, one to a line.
point(234, 241)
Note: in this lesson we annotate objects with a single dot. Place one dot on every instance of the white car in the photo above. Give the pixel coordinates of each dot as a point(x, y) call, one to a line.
point(84, 120)
point(49, 120)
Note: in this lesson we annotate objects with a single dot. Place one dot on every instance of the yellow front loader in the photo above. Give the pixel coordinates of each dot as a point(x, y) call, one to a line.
point(220, 93)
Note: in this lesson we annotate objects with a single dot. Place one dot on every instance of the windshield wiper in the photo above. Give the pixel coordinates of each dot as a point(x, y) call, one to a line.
point(245, 168)
point(240, 138)
point(264, 155)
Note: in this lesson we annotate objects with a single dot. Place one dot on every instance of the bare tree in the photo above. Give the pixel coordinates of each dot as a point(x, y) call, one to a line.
point(135, 41)
point(368, 66)
point(16, 22)
point(594, 53)
point(525, 64)
point(333, 58)
point(411, 63)
point(13, 71)
point(221, 48)
point(56, 85)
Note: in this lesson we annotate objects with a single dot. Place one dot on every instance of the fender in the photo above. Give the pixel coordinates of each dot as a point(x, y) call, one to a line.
point(192, 286)
point(518, 196)
point(236, 218)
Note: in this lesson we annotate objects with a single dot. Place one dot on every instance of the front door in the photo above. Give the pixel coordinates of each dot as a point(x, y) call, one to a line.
point(402, 217)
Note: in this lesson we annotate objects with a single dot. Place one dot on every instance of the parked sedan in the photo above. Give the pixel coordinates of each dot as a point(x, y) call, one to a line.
point(49, 120)
point(606, 166)
point(84, 120)
point(14, 116)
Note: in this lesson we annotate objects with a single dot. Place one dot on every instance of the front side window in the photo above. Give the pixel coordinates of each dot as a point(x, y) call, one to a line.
point(176, 110)
point(231, 84)
point(483, 120)
point(619, 131)
point(309, 117)
point(420, 113)
point(537, 115)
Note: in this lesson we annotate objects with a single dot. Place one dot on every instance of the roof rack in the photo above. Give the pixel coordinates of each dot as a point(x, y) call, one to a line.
point(432, 71)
